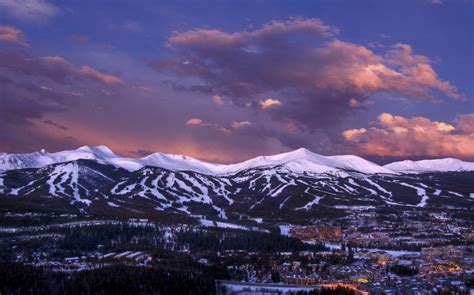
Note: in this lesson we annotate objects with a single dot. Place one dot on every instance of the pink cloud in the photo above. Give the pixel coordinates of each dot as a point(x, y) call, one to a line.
point(217, 100)
point(402, 54)
point(465, 123)
point(290, 127)
point(92, 73)
point(212, 38)
point(236, 125)
point(269, 103)
point(314, 71)
point(240, 124)
point(55, 60)
point(202, 37)
point(299, 25)
point(397, 136)
point(194, 122)
point(61, 64)
point(353, 103)
point(12, 35)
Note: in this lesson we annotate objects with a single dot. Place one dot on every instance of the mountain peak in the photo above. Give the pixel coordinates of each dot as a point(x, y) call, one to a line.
point(302, 150)
point(99, 149)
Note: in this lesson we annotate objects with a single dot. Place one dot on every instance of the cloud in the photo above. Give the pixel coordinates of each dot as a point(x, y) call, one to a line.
point(145, 88)
point(12, 35)
point(52, 123)
point(79, 39)
point(29, 10)
point(141, 153)
point(290, 127)
point(353, 103)
point(194, 122)
point(352, 133)
point(34, 90)
point(208, 39)
point(269, 103)
point(419, 137)
point(92, 73)
point(465, 123)
point(419, 69)
point(240, 124)
point(55, 68)
point(236, 125)
point(217, 100)
point(323, 80)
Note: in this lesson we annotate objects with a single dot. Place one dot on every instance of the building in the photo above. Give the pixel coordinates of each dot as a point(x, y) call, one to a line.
point(368, 238)
point(300, 279)
point(446, 253)
point(318, 233)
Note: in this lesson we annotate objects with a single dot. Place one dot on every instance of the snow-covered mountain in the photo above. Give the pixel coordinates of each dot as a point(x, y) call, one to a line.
point(297, 184)
point(271, 188)
point(436, 165)
point(297, 161)
point(303, 160)
point(300, 160)
point(104, 155)
point(42, 158)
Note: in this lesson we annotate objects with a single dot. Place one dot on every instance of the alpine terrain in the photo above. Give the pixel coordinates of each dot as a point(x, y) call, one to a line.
point(286, 187)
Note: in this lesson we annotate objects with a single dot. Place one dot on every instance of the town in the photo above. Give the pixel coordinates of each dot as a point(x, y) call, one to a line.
point(366, 252)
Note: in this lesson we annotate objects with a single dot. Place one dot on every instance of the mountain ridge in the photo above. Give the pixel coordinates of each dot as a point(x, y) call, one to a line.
point(299, 160)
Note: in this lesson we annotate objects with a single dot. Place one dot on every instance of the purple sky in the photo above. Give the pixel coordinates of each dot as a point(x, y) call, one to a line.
point(228, 80)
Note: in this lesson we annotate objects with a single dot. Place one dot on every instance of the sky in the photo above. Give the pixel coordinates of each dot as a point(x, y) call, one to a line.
point(225, 81)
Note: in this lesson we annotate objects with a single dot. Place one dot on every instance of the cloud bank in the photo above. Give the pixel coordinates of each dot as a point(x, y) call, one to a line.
point(397, 136)
point(319, 79)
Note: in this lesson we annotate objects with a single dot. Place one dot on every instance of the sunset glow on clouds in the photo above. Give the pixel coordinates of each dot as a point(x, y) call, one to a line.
point(13, 35)
point(329, 77)
point(397, 136)
point(195, 122)
point(269, 103)
point(225, 89)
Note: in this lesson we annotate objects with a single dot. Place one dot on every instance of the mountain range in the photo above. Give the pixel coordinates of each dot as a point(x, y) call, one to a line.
point(293, 185)
point(299, 160)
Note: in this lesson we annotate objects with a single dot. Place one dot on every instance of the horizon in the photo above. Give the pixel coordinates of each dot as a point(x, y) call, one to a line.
point(226, 82)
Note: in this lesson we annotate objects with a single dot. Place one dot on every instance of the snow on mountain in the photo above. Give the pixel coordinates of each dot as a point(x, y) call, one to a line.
point(42, 158)
point(297, 161)
point(180, 163)
point(303, 160)
point(441, 165)
point(360, 164)
point(103, 154)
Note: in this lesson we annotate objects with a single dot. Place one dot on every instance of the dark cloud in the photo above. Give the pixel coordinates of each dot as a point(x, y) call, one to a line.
point(52, 123)
point(22, 101)
point(33, 88)
point(141, 153)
